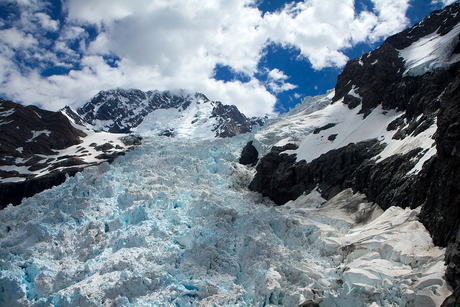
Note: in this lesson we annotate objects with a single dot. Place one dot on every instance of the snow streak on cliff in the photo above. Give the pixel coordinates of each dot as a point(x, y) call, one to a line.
point(173, 224)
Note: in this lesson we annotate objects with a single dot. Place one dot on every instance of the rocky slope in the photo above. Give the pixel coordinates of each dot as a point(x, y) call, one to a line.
point(40, 148)
point(398, 140)
point(164, 113)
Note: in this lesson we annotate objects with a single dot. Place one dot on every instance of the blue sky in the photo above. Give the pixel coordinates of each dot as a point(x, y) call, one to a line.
point(262, 56)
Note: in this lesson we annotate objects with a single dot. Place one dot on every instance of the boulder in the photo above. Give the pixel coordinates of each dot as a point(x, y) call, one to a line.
point(249, 155)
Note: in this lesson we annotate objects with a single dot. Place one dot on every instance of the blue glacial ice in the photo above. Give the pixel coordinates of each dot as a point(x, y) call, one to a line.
point(173, 224)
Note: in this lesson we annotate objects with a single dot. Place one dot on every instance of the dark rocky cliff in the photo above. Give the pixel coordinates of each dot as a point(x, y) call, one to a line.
point(439, 188)
point(19, 124)
point(231, 122)
point(281, 178)
point(378, 78)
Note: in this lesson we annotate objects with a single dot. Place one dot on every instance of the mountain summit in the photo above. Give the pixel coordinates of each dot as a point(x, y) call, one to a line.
point(164, 113)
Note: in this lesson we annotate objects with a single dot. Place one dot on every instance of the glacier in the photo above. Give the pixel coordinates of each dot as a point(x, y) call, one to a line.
point(172, 223)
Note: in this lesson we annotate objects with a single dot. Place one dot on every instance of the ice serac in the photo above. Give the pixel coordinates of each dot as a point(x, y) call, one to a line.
point(39, 149)
point(165, 113)
point(402, 98)
point(173, 224)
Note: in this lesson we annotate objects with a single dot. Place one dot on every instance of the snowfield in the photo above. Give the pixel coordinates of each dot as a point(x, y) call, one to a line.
point(173, 224)
point(194, 122)
point(431, 52)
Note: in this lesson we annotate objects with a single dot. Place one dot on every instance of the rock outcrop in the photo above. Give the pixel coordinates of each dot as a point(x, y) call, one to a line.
point(249, 155)
point(30, 131)
point(379, 78)
point(281, 178)
point(230, 121)
point(440, 188)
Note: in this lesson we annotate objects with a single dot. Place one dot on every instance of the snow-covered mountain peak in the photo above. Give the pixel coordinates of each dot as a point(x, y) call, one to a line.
point(194, 119)
point(169, 113)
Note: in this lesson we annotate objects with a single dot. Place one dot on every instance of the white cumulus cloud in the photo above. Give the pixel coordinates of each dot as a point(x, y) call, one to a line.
point(170, 44)
point(444, 2)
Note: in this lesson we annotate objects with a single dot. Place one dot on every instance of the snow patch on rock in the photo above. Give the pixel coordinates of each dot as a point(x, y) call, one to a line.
point(431, 52)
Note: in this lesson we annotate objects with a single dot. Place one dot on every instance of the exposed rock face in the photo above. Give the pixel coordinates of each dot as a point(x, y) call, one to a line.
point(131, 140)
point(29, 130)
point(441, 210)
point(249, 155)
point(14, 192)
point(309, 303)
point(27, 134)
point(325, 127)
point(441, 188)
point(231, 122)
point(121, 111)
point(276, 176)
point(73, 115)
point(282, 179)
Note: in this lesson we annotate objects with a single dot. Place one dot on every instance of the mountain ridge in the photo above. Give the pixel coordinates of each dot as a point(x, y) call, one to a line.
point(125, 111)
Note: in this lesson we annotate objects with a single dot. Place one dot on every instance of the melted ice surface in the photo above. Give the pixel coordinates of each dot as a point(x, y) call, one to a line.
point(172, 224)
